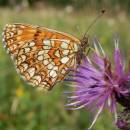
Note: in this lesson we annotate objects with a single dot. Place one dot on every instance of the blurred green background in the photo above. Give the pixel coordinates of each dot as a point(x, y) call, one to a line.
point(22, 107)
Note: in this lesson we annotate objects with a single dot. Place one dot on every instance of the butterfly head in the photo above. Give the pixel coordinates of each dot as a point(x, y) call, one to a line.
point(82, 49)
point(84, 40)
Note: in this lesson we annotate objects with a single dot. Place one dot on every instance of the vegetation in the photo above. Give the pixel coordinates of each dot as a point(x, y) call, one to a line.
point(22, 107)
point(115, 5)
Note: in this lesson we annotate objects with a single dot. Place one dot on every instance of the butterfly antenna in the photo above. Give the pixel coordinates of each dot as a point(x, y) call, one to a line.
point(94, 21)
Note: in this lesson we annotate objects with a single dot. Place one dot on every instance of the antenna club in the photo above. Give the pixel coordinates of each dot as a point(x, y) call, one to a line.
point(103, 11)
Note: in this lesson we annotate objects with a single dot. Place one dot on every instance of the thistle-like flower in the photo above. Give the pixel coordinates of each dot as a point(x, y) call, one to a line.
point(98, 84)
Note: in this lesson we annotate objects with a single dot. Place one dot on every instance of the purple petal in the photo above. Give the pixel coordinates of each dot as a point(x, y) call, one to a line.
point(99, 61)
point(119, 68)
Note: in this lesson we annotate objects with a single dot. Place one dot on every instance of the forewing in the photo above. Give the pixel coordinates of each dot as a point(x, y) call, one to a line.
point(42, 56)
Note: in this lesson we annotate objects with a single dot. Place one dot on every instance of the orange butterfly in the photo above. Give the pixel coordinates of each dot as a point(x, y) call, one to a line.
point(42, 56)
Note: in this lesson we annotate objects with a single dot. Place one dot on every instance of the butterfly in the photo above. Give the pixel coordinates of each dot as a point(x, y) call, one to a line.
point(42, 56)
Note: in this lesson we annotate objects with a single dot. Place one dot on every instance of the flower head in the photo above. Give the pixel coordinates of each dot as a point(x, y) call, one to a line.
point(98, 84)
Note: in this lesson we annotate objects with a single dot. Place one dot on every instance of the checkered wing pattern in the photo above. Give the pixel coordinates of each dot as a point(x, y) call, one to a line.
point(42, 56)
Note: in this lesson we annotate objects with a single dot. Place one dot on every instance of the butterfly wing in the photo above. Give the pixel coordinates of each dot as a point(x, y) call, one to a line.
point(42, 56)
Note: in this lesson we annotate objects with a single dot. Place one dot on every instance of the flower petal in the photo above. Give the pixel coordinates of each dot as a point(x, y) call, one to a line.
point(119, 67)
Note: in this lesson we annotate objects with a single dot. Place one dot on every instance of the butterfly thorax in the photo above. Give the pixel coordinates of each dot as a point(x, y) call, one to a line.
point(81, 50)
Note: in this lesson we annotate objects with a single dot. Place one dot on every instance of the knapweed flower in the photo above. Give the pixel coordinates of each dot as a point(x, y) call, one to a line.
point(99, 82)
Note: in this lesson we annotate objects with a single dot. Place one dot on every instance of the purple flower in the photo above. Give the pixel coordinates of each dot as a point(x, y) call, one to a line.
point(98, 84)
